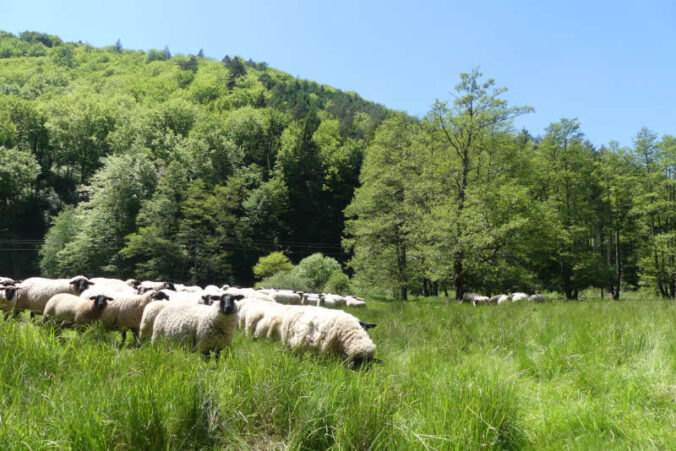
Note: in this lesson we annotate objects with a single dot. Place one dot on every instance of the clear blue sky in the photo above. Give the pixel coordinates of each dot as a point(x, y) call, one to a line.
point(611, 64)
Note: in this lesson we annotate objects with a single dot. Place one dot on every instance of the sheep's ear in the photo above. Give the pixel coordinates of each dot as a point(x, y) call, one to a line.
point(92, 298)
point(367, 326)
point(238, 297)
point(207, 299)
point(108, 299)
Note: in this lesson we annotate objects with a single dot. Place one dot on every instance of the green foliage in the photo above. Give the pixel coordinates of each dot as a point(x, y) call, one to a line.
point(316, 269)
point(276, 262)
point(18, 171)
point(285, 280)
point(338, 283)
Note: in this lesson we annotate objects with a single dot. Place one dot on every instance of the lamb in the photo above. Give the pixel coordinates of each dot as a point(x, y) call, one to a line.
point(75, 310)
point(519, 297)
point(307, 327)
point(36, 291)
point(205, 328)
point(536, 298)
point(126, 310)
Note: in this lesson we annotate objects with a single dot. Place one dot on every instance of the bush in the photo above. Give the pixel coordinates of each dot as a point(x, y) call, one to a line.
point(338, 283)
point(316, 270)
point(284, 280)
point(272, 264)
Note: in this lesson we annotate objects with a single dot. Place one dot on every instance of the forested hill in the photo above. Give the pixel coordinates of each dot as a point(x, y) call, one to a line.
point(166, 166)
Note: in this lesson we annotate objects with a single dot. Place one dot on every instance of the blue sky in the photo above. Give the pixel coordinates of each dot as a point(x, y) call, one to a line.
point(611, 64)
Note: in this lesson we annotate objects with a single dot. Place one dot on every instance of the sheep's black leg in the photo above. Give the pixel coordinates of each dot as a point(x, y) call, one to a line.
point(32, 314)
point(124, 336)
point(136, 337)
point(217, 354)
point(207, 355)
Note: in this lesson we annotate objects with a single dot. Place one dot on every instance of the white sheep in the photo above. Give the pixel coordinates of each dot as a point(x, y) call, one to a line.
point(113, 284)
point(187, 288)
point(283, 296)
point(333, 300)
point(205, 328)
point(480, 300)
point(519, 297)
point(536, 298)
point(8, 295)
point(68, 309)
point(354, 301)
point(315, 299)
point(503, 299)
point(125, 311)
point(7, 281)
point(307, 327)
point(36, 291)
point(248, 293)
point(150, 312)
point(148, 285)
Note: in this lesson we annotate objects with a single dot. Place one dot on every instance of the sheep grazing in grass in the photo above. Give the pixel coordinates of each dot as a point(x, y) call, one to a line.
point(469, 297)
point(125, 311)
point(354, 301)
point(205, 328)
point(536, 298)
point(333, 300)
point(249, 293)
point(519, 297)
point(307, 327)
point(8, 295)
point(284, 296)
point(112, 284)
point(36, 291)
point(68, 310)
point(481, 300)
point(503, 298)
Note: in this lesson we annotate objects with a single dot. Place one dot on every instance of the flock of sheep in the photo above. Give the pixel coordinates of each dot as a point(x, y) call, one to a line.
point(478, 299)
point(203, 318)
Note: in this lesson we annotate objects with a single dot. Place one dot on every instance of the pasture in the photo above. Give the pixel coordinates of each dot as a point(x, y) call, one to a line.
point(558, 375)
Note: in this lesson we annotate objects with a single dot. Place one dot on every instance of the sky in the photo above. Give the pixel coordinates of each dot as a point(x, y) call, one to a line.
point(610, 64)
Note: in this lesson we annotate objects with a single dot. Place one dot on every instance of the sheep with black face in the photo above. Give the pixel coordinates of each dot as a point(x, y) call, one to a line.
point(36, 291)
point(68, 310)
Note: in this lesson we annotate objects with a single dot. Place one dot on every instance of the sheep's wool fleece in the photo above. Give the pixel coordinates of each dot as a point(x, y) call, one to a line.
point(36, 291)
point(203, 327)
point(307, 327)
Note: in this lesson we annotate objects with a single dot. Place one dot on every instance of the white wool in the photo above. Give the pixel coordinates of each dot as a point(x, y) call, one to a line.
point(147, 285)
point(312, 299)
point(283, 296)
point(113, 284)
point(333, 300)
point(213, 290)
point(519, 297)
point(307, 327)
point(249, 293)
point(70, 309)
point(125, 311)
point(36, 291)
point(354, 301)
point(188, 288)
point(203, 327)
point(7, 281)
point(503, 299)
point(536, 298)
point(150, 312)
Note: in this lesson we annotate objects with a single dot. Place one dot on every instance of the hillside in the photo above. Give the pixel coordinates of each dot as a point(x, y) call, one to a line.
point(168, 166)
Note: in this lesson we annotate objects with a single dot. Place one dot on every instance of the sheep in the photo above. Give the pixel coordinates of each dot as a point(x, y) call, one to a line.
point(308, 327)
point(36, 291)
point(188, 288)
point(519, 297)
point(333, 300)
point(354, 301)
point(71, 310)
point(469, 297)
point(478, 300)
point(7, 281)
point(113, 284)
point(189, 297)
point(249, 293)
point(148, 285)
point(315, 299)
point(148, 318)
point(126, 310)
point(284, 296)
point(8, 295)
point(504, 298)
point(205, 327)
point(213, 289)
point(536, 298)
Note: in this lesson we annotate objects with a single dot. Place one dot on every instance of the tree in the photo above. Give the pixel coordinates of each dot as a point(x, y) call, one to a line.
point(317, 270)
point(464, 127)
point(118, 45)
point(271, 264)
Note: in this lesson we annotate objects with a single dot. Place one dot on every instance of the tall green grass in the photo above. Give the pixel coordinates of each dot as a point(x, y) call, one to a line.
point(597, 374)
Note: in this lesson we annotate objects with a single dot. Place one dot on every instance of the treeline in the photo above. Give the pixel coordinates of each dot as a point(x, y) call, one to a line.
point(460, 200)
point(168, 167)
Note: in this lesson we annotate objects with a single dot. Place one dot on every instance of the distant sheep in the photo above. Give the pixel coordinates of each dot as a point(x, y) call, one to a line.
point(284, 296)
point(354, 301)
point(469, 297)
point(36, 291)
point(536, 298)
point(307, 327)
point(503, 298)
point(67, 309)
point(519, 297)
point(481, 300)
point(205, 328)
point(114, 284)
point(148, 285)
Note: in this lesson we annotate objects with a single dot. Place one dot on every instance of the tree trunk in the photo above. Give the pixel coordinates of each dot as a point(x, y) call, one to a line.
point(424, 287)
point(458, 277)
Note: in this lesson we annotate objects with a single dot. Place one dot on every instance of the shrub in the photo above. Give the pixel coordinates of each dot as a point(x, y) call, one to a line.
point(317, 270)
point(338, 283)
point(272, 264)
point(284, 280)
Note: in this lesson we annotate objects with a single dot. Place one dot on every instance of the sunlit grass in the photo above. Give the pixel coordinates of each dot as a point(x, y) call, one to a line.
point(595, 374)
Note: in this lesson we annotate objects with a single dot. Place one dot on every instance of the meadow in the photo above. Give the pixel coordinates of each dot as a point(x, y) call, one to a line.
point(560, 375)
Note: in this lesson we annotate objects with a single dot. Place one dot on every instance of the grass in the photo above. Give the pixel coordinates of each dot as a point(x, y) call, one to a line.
point(582, 375)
